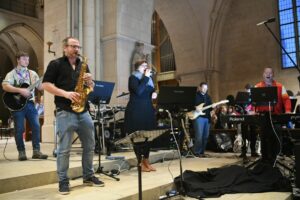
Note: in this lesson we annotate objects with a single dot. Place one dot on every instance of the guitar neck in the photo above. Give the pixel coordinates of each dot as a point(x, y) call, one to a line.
point(207, 107)
point(32, 86)
point(214, 104)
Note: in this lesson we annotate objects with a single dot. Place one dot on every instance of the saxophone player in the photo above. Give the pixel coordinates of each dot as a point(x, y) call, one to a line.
point(62, 78)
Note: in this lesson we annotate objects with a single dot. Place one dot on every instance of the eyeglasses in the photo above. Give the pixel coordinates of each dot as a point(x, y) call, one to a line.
point(74, 46)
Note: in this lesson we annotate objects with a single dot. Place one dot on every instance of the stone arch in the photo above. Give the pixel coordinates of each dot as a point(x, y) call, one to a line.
point(28, 38)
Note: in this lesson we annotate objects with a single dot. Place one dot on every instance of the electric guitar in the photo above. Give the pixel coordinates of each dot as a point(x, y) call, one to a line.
point(199, 109)
point(15, 101)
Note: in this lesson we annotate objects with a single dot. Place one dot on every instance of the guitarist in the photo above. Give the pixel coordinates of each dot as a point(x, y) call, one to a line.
point(202, 123)
point(21, 75)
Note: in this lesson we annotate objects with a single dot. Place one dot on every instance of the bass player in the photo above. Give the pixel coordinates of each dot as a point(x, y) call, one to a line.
point(202, 123)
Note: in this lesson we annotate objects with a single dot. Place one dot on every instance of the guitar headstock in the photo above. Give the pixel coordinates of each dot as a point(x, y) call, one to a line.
point(220, 102)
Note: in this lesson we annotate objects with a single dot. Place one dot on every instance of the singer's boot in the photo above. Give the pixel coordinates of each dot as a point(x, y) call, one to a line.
point(144, 166)
point(147, 163)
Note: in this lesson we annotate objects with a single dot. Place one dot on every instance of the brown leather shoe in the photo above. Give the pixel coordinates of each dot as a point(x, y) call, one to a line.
point(145, 168)
point(147, 164)
point(151, 168)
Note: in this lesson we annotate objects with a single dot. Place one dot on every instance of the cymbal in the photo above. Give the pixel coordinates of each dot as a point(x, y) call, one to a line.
point(123, 94)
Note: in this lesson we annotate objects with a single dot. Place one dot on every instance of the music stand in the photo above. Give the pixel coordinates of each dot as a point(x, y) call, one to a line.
point(293, 103)
point(101, 95)
point(176, 99)
point(139, 140)
point(264, 96)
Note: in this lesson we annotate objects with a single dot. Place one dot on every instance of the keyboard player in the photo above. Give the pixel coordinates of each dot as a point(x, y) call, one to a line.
point(270, 146)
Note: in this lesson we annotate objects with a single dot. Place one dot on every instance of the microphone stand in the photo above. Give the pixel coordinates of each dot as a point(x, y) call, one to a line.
point(279, 43)
point(181, 189)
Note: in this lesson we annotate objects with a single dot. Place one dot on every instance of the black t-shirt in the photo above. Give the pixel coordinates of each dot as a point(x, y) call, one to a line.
point(61, 74)
point(204, 98)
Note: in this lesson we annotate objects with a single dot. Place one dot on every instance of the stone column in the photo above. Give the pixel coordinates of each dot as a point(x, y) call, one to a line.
point(56, 28)
point(124, 24)
point(88, 33)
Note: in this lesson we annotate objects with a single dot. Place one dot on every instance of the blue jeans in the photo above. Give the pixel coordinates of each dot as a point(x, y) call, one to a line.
point(29, 112)
point(201, 127)
point(68, 123)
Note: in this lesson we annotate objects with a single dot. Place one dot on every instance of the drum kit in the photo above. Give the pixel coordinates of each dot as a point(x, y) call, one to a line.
point(105, 120)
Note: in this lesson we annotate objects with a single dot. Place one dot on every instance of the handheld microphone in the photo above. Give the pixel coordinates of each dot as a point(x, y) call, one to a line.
point(153, 72)
point(272, 19)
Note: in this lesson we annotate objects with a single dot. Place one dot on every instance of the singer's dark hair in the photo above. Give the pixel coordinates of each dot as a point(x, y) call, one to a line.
point(202, 83)
point(138, 63)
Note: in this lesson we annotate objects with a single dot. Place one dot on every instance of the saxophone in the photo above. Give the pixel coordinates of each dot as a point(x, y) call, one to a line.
point(81, 88)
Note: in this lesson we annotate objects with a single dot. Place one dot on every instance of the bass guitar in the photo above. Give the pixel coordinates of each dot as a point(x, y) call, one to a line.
point(15, 101)
point(199, 109)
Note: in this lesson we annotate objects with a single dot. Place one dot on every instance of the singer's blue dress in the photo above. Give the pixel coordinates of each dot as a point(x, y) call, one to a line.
point(139, 113)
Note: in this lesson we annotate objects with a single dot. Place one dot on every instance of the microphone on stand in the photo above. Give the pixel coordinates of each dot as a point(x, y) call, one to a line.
point(270, 20)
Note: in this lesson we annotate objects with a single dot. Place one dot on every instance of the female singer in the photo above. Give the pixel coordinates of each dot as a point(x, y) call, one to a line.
point(139, 113)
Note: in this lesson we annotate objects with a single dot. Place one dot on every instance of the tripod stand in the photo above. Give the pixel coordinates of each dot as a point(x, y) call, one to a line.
point(101, 95)
point(101, 121)
point(140, 140)
point(181, 188)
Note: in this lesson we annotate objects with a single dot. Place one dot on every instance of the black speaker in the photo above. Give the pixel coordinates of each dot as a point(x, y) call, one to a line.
point(297, 161)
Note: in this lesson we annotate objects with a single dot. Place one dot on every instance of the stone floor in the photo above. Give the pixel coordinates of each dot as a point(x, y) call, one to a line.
point(36, 179)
